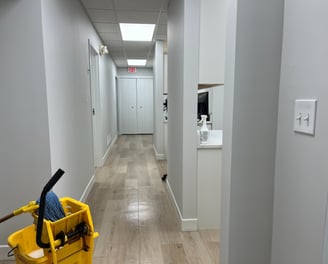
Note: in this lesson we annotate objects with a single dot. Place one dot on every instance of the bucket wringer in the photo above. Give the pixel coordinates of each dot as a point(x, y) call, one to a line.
point(62, 232)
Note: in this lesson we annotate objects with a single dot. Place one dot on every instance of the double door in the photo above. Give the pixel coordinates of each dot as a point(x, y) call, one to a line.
point(135, 105)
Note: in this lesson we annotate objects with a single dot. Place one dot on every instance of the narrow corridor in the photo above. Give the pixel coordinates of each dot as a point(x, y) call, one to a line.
point(134, 216)
point(133, 213)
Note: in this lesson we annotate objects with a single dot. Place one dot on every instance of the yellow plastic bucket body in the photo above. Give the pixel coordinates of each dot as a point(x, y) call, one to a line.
point(77, 251)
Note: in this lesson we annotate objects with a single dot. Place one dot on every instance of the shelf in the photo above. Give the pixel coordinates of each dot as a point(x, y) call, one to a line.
point(208, 85)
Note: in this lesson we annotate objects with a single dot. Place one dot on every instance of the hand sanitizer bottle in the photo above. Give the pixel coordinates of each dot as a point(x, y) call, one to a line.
point(203, 130)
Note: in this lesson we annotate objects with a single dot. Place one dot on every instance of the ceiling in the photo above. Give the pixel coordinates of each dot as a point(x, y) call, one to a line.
point(106, 16)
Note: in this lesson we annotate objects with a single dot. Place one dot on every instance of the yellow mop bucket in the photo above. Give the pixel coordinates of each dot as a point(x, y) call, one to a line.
point(69, 240)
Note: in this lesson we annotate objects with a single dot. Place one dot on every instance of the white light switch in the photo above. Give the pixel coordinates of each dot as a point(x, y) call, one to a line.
point(304, 116)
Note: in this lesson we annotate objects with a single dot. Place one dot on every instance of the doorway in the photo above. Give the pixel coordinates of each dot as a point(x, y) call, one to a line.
point(135, 101)
point(94, 102)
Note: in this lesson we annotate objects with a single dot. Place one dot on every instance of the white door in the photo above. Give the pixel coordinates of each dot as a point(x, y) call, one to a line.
point(94, 92)
point(145, 106)
point(127, 106)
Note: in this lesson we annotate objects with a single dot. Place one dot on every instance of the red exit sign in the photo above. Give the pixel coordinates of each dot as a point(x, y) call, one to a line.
point(132, 69)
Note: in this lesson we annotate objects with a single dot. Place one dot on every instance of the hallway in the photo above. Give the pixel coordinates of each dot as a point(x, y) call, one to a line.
point(133, 213)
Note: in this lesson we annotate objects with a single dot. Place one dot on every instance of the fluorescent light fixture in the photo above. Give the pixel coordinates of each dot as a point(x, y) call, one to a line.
point(137, 62)
point(137, 32)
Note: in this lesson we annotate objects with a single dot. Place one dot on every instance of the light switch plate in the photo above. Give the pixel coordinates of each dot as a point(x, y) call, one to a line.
point(305, 115)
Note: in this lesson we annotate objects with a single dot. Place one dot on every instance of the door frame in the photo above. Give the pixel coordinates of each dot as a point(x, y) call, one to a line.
point(94, 102)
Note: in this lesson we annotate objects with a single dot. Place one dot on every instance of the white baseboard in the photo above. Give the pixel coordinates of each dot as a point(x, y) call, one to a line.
point(4, 249)
point(87, 189)
point(105, 157)
point(159, 156)
point(186, 224)
point(91, 182)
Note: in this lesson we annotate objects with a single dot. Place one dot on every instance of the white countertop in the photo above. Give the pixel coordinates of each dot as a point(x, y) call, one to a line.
point(214, 140)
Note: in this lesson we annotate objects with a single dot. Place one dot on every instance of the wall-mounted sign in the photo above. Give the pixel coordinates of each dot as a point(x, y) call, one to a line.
point(132, 69)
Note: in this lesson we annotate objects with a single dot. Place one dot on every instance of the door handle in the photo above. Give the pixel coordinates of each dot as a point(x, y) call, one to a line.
point(132, 107)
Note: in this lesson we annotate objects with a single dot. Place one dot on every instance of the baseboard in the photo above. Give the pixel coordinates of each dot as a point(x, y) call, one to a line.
point(186, 224)
point(87, 189)
point(105, 157)
point(4, 249)
point(159, 156)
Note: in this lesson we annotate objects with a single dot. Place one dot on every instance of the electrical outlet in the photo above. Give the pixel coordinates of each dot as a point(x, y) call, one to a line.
point(304, 116)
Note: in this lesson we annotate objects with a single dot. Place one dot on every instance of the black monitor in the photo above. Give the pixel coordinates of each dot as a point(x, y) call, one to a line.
point(203, 105)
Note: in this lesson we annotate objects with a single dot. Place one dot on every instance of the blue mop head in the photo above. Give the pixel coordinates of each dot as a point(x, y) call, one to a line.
point(53, 210)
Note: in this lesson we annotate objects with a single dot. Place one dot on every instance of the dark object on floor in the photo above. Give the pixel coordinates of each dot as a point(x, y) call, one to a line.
point(164, 177)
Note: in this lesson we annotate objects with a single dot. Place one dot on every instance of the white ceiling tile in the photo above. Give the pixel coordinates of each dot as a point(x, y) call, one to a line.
point(114, 45)
point(137, 17)
point(115, 49)
point(151, 53)
point(106, 27)
point(163, 18)
point(99, 4)
point(102, 16)
point(110, 36)
point(140, 54)
point(138, 5)
point(117, 54)
point(121, 63)
point(161, 29)
point(105, 15)
point(137, 44)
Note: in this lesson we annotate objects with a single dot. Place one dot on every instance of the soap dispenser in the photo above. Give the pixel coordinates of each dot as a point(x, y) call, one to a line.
point(203, 130)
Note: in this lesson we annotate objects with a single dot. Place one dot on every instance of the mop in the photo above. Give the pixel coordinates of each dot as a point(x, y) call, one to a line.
point(53, 209)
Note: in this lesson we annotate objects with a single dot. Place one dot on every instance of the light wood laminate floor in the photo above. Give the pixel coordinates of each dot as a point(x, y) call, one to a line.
point(134, 216)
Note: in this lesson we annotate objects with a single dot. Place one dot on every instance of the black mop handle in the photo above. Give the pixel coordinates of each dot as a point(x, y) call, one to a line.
point(53, 180)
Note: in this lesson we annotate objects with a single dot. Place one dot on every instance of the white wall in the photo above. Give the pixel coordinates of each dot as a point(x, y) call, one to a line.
point(165, 73)
point(24, 136)
point(212, 41)
point(45, 102)
point(217, 107)
point(140, 72)
point(108, 104)
point(301, 182)
point(250, 122)
point(183, 50)
point(175, 94)
point(66, 30)
point(190, 85)
point(158, 67)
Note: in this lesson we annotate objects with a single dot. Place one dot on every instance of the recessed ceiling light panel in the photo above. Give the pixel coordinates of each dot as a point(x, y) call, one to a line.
point(137, 32)
point(132, 62)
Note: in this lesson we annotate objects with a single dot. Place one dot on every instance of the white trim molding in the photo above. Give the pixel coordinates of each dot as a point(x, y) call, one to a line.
point(159, 156)
point(186, 224)
point(92, 180)
point(105, 157)
point(87, 189)
point(4, 249)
